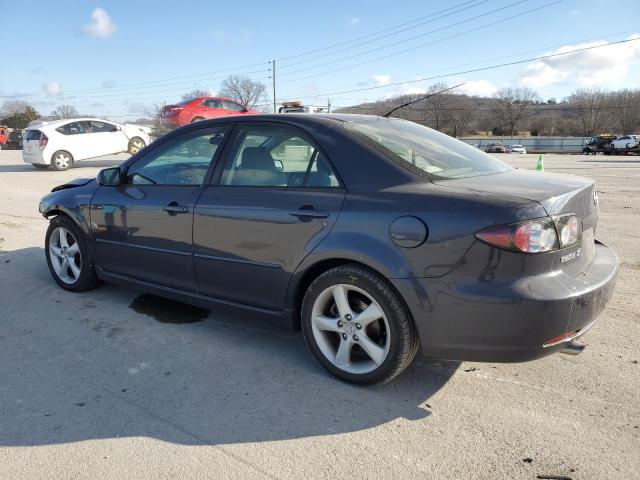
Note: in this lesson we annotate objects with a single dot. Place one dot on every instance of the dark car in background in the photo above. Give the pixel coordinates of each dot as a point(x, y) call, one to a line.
point(201, 108)
point(377, 237)
point(496, 148)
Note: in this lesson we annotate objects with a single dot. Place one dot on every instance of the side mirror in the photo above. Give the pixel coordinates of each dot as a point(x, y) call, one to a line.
point(109, 177)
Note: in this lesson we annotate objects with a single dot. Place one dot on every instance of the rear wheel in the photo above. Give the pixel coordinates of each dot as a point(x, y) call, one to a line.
point(357, 326)
point(197, 119)
point(68, 256)
point(61, 160)
point(135, 145)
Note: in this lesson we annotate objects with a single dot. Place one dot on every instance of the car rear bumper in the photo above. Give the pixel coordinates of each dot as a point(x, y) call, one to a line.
point(35, 157)
point(508, 321)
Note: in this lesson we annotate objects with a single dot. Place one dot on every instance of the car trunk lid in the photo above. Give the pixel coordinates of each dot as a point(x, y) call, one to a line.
point(557, 194)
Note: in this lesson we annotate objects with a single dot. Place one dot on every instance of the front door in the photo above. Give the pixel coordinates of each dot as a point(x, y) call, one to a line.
point(106, 138)
point(143, 228)
point(277, 197)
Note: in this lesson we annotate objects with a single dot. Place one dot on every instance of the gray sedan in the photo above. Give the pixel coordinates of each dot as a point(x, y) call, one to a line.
point(377, 237)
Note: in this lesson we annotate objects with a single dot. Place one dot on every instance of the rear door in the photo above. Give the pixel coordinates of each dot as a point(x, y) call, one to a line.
point(143, 228)
point(76, 139)
point(212, 108)
point(277, 197)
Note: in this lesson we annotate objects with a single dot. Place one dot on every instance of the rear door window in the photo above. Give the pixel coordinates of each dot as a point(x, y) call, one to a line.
point(232, 106)
point(73, 128)
point(212, 103)
point(276, 156)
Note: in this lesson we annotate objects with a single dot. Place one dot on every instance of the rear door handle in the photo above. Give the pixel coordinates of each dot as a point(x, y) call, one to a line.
point(175, 208)
point(308, 211)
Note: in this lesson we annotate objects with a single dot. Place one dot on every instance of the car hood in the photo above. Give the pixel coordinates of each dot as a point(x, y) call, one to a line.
point(77, 182)
point(555, 192)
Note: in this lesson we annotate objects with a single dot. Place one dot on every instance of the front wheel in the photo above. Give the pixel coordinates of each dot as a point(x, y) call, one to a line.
point(357, 326)
point(68, 256)
point(197, 119)
point(135, 145)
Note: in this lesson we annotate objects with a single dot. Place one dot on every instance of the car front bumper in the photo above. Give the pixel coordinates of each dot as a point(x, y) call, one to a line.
point(508, 321)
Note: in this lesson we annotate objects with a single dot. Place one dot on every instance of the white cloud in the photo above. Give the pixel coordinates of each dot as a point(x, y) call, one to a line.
point(102, 25)
point(477, 88)
point(588, 67)
point(353, 21)
point(381, 79)
point(52, 88)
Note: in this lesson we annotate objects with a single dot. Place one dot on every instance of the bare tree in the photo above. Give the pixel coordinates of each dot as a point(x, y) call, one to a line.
point(458, 115)
point(624, 111)
point(196, 93)
point(588, 106)
point(436, 106)
point(514, 104)
point(12, 107)
point(245, 91)
point(17, 114)
point(65, 111)
point(153, 112)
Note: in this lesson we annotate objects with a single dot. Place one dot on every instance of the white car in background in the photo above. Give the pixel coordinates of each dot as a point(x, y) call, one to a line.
point(517, 149)
point(60, 143)
point(624, 142)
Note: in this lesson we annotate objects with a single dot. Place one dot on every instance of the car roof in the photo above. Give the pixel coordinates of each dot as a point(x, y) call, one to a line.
point(64, 121)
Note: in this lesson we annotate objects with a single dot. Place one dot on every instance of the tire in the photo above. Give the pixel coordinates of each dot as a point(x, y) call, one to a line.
point(40, 166)
point(62, 160)
point(81, 278)
point(389, 332)
point(135, 145)
point(196, 119)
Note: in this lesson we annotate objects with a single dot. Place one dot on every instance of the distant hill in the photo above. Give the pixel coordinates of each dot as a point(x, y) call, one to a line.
point(463, 115)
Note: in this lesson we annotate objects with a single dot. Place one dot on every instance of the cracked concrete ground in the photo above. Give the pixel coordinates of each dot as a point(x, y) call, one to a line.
point(89, 388)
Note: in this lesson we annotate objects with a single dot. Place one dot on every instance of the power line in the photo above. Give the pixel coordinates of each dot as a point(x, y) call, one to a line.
point(474, 70)
point(420, 46)
point(146, 83)
point(309, 52)
point(392, 33)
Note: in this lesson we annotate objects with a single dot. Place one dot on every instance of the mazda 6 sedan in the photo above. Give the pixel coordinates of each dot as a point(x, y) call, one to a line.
point(377, 237)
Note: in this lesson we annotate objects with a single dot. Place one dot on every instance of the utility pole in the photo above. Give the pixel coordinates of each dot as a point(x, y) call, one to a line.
point(328, 105)
point(273, 78)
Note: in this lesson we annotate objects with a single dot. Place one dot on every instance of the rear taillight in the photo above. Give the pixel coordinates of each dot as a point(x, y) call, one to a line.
point(535, 236)
point(43, 141)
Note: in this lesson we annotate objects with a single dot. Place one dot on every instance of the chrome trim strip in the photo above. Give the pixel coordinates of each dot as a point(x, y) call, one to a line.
point(143, 247)
point(236, 260)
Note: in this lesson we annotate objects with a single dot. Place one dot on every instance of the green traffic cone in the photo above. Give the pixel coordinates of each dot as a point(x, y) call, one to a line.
point(540, 166)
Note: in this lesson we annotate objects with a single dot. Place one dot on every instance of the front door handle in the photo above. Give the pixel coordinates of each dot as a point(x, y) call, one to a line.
point(309, 212)
point(174, 208)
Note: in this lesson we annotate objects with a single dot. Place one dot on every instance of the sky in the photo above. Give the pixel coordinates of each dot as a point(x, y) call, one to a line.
point(117, 58)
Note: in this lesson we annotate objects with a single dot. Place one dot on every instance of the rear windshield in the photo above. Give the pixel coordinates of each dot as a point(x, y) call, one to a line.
point(185, 102)
point(31, 135)
point(425, 151)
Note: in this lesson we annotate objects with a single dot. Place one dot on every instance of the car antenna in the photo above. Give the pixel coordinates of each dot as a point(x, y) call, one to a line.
point(386, 115)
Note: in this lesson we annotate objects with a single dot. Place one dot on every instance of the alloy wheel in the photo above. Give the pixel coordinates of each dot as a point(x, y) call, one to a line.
point(136, 146)
point(350, 329)
point(65, 255)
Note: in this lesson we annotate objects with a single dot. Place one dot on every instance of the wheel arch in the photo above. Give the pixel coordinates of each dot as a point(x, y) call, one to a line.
point(305, 276)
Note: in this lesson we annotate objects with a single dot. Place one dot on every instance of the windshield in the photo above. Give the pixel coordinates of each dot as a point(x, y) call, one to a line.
point(425, 151)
